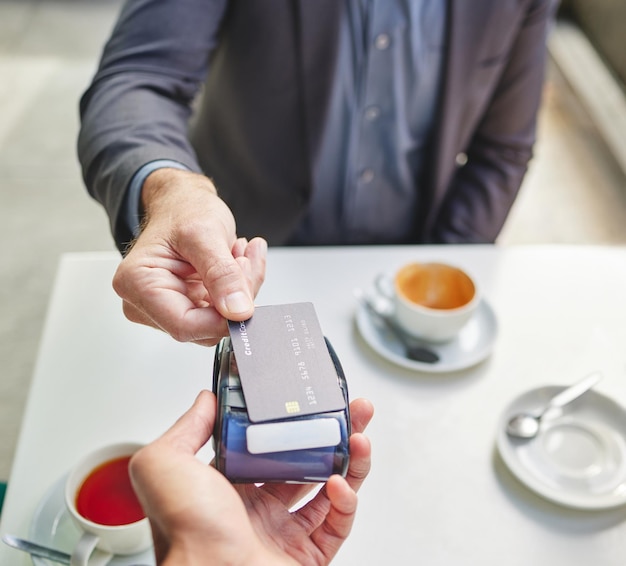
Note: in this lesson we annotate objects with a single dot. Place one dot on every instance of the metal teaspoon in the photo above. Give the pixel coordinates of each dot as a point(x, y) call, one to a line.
point(412, 351)
point(35, 549)
point(526, 425)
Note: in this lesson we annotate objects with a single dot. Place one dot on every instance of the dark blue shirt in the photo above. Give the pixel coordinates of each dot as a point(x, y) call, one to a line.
point(365, 176)
point(382, 108)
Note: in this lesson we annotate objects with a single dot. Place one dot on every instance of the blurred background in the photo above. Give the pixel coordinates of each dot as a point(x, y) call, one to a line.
point(574, 193)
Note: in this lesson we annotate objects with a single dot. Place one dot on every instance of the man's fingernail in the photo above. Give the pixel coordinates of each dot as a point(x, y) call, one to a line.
point(238, 302)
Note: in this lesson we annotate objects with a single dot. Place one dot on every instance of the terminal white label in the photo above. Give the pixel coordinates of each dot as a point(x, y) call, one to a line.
point(293, 435)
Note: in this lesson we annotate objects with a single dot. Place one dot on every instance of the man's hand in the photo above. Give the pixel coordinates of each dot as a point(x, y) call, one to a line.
point(187, 272)
point(196, 513)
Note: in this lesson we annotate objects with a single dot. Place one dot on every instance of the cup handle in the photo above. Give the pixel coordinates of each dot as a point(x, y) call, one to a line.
point(86, 554)
point(384, 286)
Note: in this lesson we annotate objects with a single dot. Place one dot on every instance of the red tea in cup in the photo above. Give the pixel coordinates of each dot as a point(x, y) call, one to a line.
point(100, 500)
point(106, 496)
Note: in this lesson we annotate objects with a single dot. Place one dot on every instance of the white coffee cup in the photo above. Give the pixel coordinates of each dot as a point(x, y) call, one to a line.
point(92, 477)
point(432, 301)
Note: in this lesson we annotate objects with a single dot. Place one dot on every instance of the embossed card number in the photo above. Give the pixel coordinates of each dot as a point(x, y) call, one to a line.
point(284, 365)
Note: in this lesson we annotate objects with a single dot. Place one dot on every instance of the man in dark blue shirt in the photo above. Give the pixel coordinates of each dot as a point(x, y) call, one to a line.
point(326, 122)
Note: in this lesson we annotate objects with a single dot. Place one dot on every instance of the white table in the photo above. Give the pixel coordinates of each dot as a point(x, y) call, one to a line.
point(438, 493)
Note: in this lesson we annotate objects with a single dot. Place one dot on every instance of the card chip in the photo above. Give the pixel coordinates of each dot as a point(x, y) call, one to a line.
point(292, 407)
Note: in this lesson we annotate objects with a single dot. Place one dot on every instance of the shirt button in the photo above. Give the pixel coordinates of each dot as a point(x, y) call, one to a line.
point(382, 41)
point(371, 113)
point(367, 176)
point(461, 159)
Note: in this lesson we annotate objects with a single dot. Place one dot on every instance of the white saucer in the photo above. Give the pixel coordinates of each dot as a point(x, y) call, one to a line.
point(579, 457)
point(52, 526)
point(472, 345)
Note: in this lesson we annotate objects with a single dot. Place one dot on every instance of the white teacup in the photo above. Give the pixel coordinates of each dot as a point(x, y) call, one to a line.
point(431, 301)
point(101, 502)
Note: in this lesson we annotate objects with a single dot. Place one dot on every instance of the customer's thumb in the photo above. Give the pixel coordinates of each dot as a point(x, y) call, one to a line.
point(227, 284)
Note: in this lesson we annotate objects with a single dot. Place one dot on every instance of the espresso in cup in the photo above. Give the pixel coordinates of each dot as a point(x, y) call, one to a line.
point(431, 301)
point(435, 285)
point(102, 503)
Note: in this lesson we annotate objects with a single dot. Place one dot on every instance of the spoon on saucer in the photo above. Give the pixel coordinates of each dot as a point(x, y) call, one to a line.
point(412, 351)
point(48, 553)
point(35, 549)
point(526, 425)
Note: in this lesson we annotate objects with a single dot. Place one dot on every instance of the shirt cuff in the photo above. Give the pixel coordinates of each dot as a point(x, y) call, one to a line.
point(132, 208)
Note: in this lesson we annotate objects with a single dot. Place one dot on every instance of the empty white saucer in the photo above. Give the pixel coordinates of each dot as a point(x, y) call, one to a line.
point(578, 459)
point(471, 346)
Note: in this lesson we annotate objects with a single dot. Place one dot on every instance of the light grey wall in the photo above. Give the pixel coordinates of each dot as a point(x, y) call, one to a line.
point(48, 53)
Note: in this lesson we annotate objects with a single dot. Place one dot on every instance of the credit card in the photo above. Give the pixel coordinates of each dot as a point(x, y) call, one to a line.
point(284, 364)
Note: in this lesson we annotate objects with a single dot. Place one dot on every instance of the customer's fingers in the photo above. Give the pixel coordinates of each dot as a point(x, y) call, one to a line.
point(256, 254)
point(210, 329)
point(164, 292)
point(209, 250)
point(239, 247)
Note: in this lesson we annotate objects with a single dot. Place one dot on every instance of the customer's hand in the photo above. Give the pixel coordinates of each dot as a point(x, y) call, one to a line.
point(187, 272)
point(199, 517)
